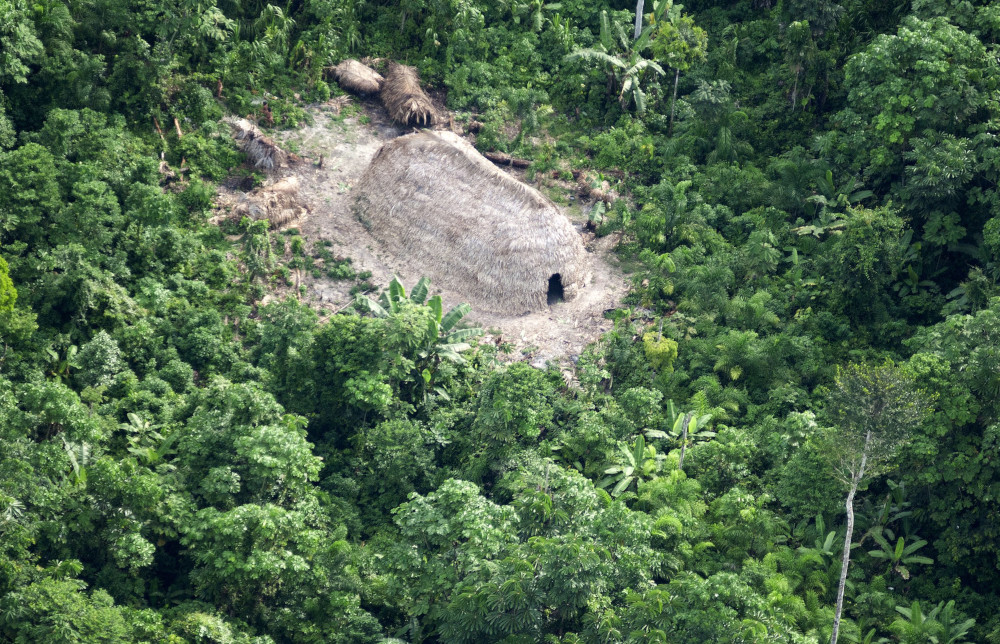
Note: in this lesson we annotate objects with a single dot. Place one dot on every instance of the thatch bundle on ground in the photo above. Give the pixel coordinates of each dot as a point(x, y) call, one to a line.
point(403, 98)
point(357, 78)
point(432, 198)
point(261, 150)
point(278, 203)
point(598, 190)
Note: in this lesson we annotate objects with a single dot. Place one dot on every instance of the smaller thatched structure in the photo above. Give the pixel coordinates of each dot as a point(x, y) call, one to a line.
point(404, 99)
point(432, 198)
point(357, 78)
point(278, 203)
point(261, 150)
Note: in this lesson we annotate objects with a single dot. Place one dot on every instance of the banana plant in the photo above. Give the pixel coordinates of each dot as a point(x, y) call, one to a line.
point(893, 511)
point(390, 302)
point(917, 627)
point(623, 62)
point(817, 565)
point(145, 443)
point(870, 638)
point(79, 455)
point(952, 630)
point(687, 428)
point(60, 367)
point(824, 542)
point(533, 11)
point(442, 341)
point(641, 463)
point(939, 626)
point(899, 556)
point(830, 205)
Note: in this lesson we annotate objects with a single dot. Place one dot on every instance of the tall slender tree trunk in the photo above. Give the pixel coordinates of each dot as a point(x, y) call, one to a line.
point(795, 91)
point(845, 560)
point(638, 19)
point(673, 103)
point(684, 440)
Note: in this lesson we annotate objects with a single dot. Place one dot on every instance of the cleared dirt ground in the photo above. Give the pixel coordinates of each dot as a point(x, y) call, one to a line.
point(347, 133)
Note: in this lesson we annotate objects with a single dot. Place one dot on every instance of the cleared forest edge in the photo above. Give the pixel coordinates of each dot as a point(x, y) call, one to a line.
point(346, 134)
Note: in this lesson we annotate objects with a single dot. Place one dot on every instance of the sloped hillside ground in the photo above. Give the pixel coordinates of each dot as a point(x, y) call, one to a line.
point(346, 133)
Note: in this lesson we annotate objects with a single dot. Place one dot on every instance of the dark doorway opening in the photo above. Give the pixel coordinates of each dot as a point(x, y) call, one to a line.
point(555, 289)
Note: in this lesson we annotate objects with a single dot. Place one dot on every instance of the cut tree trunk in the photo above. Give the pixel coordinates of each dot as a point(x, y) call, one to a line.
point(673, 102)
point(795, 90)
point(500, 158)
point(684, 440)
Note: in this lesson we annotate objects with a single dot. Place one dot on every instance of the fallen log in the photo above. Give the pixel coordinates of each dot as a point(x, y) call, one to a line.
point(500, 158)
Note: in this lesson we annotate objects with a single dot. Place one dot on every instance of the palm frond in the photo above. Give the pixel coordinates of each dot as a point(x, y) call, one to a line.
point(595, 54)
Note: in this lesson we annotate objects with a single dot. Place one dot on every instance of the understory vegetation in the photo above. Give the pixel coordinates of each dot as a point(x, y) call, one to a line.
point(792, 433)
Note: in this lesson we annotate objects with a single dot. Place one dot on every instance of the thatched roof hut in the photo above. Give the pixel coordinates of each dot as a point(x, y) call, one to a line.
point(432, 198)
point(404, 99)
point(357, 77)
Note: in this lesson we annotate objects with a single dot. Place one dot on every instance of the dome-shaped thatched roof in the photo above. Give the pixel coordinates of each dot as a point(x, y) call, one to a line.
point(403, 97)
point(357, 77)
point(432, 198)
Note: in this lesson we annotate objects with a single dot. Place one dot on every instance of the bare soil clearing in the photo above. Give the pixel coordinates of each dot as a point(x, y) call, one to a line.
point(347, 133)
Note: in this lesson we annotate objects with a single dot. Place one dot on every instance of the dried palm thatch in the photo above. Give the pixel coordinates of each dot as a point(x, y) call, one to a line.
point(278, 203)
point(432, 198)
point(403, 98)
point(260, 149)
point(357, 78)
point(596, 189)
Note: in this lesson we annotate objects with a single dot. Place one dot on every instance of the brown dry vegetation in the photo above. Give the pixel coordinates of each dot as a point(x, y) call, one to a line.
point(278, 203)
point(355, 77)
point(261, 150)
point(433, 198)
point(404, 99)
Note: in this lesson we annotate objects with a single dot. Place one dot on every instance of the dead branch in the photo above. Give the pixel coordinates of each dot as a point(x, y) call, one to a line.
point(501, 158)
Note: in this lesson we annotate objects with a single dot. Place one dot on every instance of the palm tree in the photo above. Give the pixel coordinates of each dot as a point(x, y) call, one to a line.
point(442, 341)
point(623, 61)
point(720, 122)
point(678, 42)
point(900, 555)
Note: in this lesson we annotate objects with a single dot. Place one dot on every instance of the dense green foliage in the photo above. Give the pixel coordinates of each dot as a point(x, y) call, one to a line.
point(811, 213)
